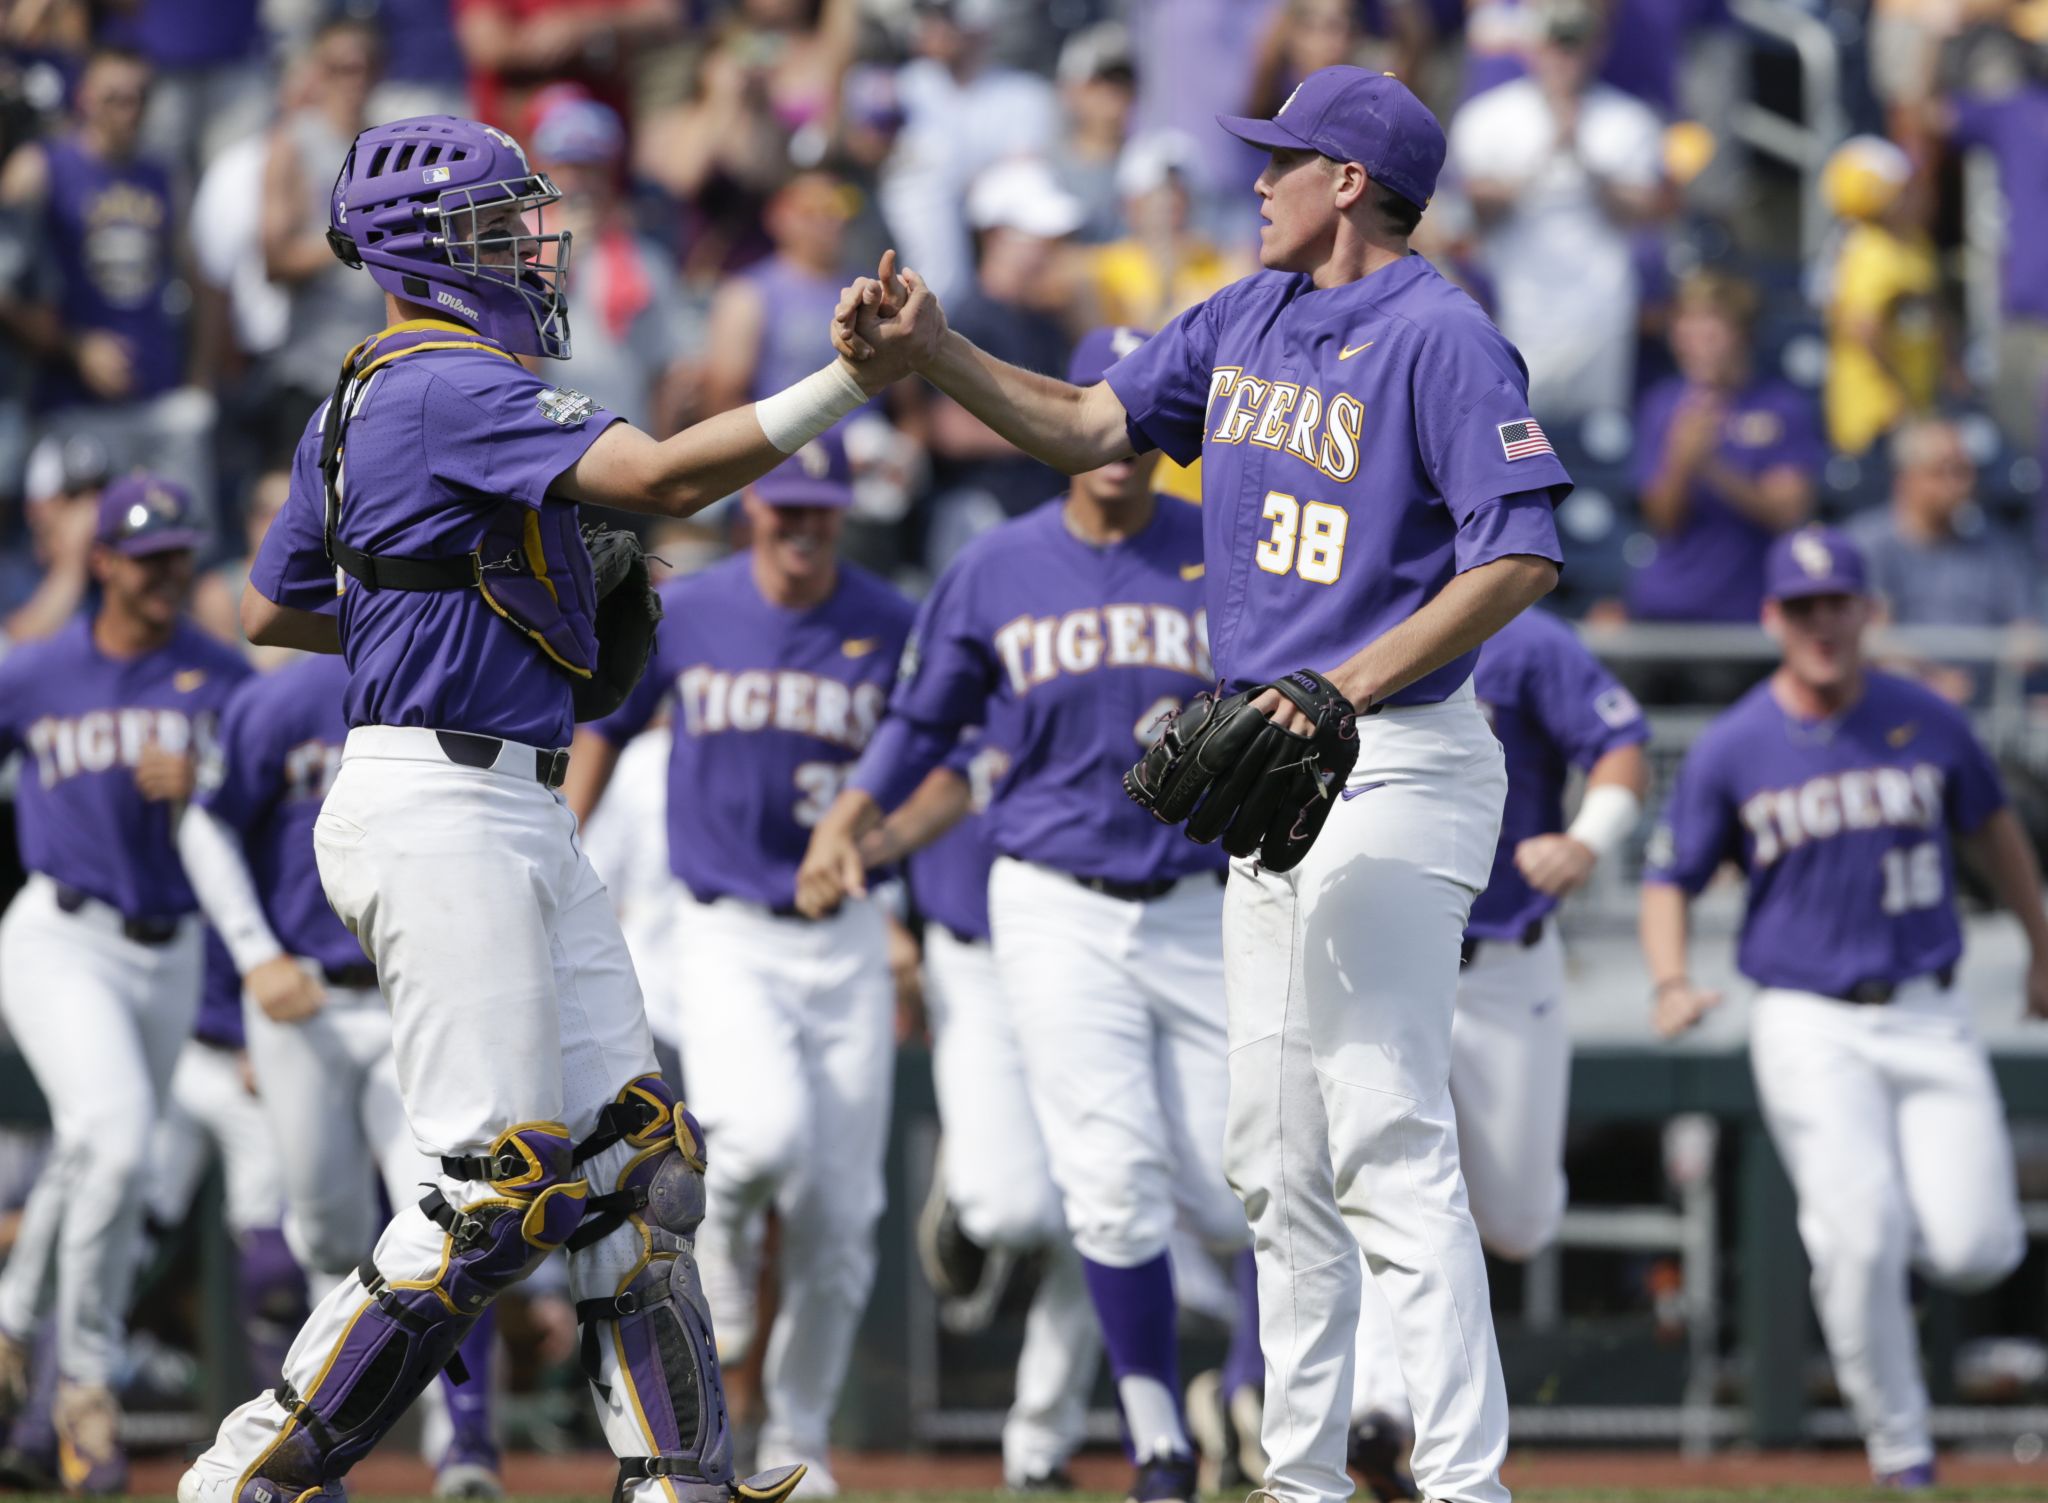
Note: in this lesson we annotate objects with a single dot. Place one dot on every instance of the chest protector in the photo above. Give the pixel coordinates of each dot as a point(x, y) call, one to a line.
point(530, 566)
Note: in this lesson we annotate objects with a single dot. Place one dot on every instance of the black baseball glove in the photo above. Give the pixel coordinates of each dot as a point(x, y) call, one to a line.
point(1234, 775)
point(627, 613)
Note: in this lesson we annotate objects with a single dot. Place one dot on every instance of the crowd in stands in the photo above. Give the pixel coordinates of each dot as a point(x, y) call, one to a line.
point(1712, 374)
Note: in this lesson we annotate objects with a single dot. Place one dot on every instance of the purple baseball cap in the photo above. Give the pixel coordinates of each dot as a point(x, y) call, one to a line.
point(1101, 348)
point(142, 514)
point(818, 474)
point(1814, 561)
point(1355, 115)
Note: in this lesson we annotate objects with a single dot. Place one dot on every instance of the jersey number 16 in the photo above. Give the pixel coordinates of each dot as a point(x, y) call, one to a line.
point(1306, 539)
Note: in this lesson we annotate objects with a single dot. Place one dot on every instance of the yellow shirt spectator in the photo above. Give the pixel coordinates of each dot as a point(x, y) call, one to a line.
point(1884, 340)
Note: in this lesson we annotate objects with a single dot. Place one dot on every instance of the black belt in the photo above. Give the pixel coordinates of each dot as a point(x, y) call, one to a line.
point(356, 977)
point(143, 931)
point(1129, 892)
point(470, 750)
point(1530, 938)
point(1877, 992)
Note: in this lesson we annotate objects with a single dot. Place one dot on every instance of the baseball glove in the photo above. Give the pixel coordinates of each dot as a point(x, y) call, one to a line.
point(628, 611)
point(1234, 775)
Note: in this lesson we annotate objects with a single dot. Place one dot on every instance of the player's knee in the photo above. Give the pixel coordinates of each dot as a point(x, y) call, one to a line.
point(1968, 1259)
point(325, 1236)
point(1521, 1228)
point(1018, 1221)
point(1122, 1236)
point(761, 1148)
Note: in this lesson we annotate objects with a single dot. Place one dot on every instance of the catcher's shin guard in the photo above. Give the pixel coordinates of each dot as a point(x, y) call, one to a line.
point(647, 1345)
point(379, 1338)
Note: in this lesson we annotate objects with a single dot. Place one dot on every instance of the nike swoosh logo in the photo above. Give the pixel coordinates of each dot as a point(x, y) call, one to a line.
point(1192, 571)
point(1354, 349)
point(1364, 788)
point(860, 647)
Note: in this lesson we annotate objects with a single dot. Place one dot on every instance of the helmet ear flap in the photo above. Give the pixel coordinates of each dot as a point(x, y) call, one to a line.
point(344, 250)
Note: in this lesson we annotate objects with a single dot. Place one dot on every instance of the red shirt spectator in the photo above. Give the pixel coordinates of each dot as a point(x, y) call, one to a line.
point(515, 47)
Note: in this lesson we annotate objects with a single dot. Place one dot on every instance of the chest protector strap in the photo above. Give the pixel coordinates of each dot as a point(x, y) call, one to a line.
point(531, 567)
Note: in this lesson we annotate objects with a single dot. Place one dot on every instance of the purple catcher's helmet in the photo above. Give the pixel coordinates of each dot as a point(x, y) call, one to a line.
point(447, 212)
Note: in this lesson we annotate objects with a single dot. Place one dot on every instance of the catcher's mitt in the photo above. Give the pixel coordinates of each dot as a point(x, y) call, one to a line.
point(627, 613)
point(1234, 775)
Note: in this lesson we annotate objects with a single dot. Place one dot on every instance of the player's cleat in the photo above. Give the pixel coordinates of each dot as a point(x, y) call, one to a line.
point(469, 1472)
point(1230, 1460)
point(1909, 1479)
point(26, 1471)
point(90, 1461)
point(1379, 1451)
point(953, 1261)
point(1053, 1480)
point(1164, 1479)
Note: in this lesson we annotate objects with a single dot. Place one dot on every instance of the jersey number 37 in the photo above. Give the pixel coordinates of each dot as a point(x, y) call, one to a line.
point(1307, 539)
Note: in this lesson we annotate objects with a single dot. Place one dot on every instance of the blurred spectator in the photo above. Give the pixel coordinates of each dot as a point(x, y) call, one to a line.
point(1560, 170)
point(1311, 34)
point(1933, 558)
point(424, 70)
point(97, 220)
point(217, 596)
point(44, 588)
point(961, 114)
point(241, 314)
point(1648, 41)
point(1725, 461)
point(516, 47)
point(1020, 216)
point(1884, 332)
point(1199, 58)
point(2014, 129)
point(330, 308)
point(634, 337)
point(768, 91)
point(1164, 264)
point(770, 324)
point(1098, 89)
point(212, 82)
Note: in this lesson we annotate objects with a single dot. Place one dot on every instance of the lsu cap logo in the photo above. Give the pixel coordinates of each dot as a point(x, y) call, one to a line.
point(814, 461)
point(1811, 554)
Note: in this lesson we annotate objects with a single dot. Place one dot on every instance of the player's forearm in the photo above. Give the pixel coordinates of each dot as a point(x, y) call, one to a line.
point(1663, 925)
point(1072, 428)
point(55, 601)
point(1468, 610)
point(592, 759)
point(268, 624)
point(941, 802)
point(2001, 851)
point(899, 757)
point(213, 861)
point(1778, 499)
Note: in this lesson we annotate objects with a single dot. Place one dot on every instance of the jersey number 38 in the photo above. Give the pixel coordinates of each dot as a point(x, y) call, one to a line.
point(1307, 539)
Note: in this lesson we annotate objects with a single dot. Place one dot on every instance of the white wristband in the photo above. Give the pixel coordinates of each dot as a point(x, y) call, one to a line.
point(1607, 816)
point(797, 414)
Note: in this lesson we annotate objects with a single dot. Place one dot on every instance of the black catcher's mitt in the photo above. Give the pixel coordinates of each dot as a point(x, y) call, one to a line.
point(1234, 775)
point(627, 613)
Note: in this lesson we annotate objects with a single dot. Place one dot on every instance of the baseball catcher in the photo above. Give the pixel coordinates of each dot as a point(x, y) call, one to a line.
point(1236, 776)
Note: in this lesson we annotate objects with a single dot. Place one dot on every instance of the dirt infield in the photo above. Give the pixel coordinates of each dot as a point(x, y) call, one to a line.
point(1554, 1474)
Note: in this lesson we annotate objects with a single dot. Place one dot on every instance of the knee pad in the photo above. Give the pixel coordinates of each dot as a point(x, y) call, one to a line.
point(404, 1331)
point(651, 1334)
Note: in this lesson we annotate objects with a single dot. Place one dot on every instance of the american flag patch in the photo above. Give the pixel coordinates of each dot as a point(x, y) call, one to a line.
point(1523, 439)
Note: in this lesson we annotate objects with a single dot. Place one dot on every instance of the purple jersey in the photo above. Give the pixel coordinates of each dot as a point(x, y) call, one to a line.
point(83, 719)
point(108, 228)
point(1553, 707)
point(1712, 567)
point(1842, 827)
point(2013, 128)
point(1360, 445)
point(220, 998)
point(279, 749)
point(772, 706)
point(190, 33)
point(441, 440)
point(1074, 652)
point(949, 877)
point(796, 312)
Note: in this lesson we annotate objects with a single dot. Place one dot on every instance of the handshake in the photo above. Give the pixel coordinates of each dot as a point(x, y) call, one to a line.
point(887, 326)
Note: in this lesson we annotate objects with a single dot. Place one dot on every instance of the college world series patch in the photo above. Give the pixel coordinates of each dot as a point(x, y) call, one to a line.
point(559, 404)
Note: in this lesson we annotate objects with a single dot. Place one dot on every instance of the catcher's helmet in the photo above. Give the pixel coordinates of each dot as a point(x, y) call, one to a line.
point(447, 212)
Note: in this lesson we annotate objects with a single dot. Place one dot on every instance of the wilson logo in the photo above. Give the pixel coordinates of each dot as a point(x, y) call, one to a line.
point(450, 300)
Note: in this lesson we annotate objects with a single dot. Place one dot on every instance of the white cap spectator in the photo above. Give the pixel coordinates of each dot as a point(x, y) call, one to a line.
point(1157, 155)
point(1022, 194)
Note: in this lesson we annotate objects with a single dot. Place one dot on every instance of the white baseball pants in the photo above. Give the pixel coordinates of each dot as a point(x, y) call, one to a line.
point(1342, 978)
point(1890, 1125)
point(1118, 1010)
point(100, 1020)
point(330, 1094)
point(999, 1181)
point(1511, 1060)
point(208, 1104)
point(789, 1050)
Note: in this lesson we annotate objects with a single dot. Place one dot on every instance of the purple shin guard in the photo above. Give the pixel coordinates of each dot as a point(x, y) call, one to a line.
point(653, 1335)
point(409, 1328)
